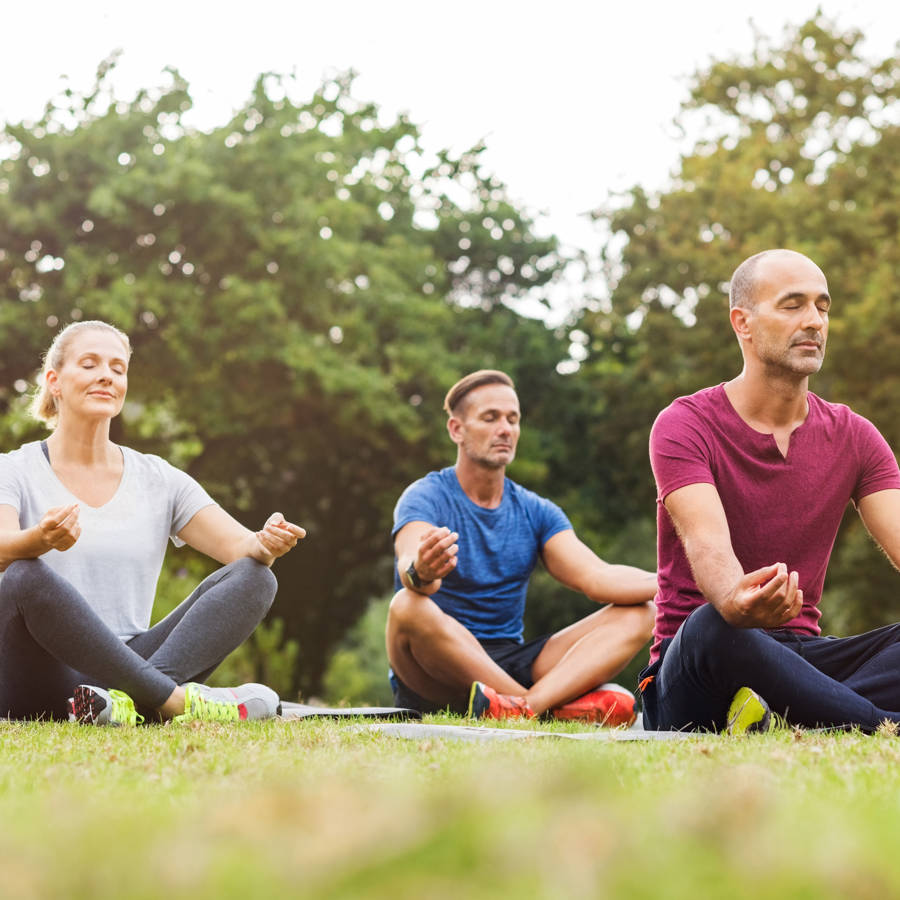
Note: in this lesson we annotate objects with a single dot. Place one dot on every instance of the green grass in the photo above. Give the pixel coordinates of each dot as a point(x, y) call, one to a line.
point(317, 809)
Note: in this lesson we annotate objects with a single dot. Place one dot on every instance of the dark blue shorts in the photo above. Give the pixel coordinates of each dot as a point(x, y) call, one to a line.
point(514, 658)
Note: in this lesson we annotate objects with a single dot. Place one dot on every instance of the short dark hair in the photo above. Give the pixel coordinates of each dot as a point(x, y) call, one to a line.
point(743, 281)
point(473, 380)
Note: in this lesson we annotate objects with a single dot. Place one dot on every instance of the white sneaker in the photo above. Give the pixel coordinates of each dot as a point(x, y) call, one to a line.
point(209, 704)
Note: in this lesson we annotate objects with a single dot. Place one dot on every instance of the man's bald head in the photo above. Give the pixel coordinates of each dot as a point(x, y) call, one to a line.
point(742, 289)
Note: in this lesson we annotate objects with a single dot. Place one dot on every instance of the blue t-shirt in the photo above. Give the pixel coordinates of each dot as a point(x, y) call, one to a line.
point(498, 548)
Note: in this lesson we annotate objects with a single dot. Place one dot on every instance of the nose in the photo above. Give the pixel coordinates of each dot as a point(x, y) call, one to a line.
point(815, 318)
point(105, 373)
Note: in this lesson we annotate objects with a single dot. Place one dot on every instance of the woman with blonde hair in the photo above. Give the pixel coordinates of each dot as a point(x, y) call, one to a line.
point(84, 525)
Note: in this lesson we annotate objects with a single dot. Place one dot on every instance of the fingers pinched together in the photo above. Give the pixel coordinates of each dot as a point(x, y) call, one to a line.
point(278, 536)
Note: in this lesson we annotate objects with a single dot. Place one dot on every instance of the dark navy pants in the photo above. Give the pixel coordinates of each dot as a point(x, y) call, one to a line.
point(811, 681)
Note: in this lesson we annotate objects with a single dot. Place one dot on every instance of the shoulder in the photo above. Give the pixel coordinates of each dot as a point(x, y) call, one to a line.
point(833, 412)
point(839, 419)
point(523, 494)
point(152, 468)
point(434, 484)
point(23, 460)
point(424, 499)
point(692, 409)
point(147, 462)
point(691, 421)
point(21, 456)
point(531, 502)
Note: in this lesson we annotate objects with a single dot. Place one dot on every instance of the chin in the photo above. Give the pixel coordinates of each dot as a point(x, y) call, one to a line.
point(493, 463)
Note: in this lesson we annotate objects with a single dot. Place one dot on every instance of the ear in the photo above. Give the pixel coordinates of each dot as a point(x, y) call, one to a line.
point(52, 382)
point(740, 322)
point(455, 429)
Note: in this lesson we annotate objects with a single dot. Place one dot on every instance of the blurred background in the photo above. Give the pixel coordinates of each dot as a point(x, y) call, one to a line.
point(312, 221)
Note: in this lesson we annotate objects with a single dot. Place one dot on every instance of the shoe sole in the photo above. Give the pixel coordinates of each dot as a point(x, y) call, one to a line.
point(748, 713)
point(88, 706)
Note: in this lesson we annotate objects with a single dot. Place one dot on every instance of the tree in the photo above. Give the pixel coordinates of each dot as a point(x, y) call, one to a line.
point(300, 285)
point(799, 149)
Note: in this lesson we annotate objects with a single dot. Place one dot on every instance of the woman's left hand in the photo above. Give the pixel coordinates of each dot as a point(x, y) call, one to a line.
point(277, 537)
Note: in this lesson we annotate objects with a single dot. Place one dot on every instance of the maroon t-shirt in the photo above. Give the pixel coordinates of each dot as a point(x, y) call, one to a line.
point(779, 509)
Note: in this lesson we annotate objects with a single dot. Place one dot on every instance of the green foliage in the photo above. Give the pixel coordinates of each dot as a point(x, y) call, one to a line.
point(300, 284)
point(799, 149)
point(267, 657)
point(180, 574)
point(357, 672)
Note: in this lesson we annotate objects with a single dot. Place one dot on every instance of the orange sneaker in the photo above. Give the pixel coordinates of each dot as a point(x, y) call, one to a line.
point(486, 703)
point(610, 704)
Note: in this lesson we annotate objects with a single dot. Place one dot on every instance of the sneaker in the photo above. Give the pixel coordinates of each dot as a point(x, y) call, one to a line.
point(486, 703)
point(749, 712)
point(209, 704)
point(97, 706)
point(610, 704)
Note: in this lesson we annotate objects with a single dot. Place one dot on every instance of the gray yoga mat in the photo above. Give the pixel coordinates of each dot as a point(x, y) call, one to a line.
point(302, 711)
point(418, 731)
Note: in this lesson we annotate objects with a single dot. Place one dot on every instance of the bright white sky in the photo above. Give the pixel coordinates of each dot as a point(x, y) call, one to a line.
point(575, 99)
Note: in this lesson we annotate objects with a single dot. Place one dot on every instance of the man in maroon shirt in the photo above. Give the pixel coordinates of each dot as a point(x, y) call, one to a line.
point(753, 477)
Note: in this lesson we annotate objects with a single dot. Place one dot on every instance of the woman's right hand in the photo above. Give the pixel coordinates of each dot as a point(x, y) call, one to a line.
point(59, 528)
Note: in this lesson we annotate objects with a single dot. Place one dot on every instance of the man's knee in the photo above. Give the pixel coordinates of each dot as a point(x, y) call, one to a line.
point(708, 636)
point(705, 627)
point(637, 621)
point(646, 619)
point(408, 610)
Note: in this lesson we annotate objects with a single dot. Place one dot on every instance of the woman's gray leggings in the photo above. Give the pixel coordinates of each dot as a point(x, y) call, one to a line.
point(52, 640)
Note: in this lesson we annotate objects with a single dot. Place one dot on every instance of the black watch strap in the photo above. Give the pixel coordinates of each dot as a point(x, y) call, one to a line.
point(414, 575)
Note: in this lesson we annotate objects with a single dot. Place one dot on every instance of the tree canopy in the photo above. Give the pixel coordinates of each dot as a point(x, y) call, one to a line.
point(798, 148)
point(301, 285)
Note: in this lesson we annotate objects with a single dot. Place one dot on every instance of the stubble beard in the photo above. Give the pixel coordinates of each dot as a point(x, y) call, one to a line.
point(488, 462)
point(787, 362)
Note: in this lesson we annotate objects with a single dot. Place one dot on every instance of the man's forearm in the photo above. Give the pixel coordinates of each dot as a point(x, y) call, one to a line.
point(717, 573)
point(623, 585)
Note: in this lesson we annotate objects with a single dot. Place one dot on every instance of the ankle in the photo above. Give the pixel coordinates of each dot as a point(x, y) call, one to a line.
point(174, 704)
point(535, 704)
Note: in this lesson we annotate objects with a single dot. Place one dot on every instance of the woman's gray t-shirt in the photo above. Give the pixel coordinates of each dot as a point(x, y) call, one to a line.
point(115, 563)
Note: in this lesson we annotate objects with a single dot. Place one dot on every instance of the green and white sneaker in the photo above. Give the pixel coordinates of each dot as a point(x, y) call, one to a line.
point(207, 704)
point(749, 712)
point(92, 705)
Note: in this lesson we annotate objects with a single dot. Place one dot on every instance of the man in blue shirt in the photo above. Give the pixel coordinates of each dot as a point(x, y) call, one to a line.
point(466, 540)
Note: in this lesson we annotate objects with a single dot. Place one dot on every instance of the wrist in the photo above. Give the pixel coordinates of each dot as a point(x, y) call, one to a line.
point(412, 575)
point(412, 579)
point(39, 540)
point(258, 551)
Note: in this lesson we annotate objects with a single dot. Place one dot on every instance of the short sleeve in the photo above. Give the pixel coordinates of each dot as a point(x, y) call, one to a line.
point(878, 470)
point(187, 499)
point(418, 503)
point(10, 484)
point(552, 520)
point(679, 451)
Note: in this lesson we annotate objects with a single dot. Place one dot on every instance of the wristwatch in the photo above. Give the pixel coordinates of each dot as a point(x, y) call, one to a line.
point(414, 579)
